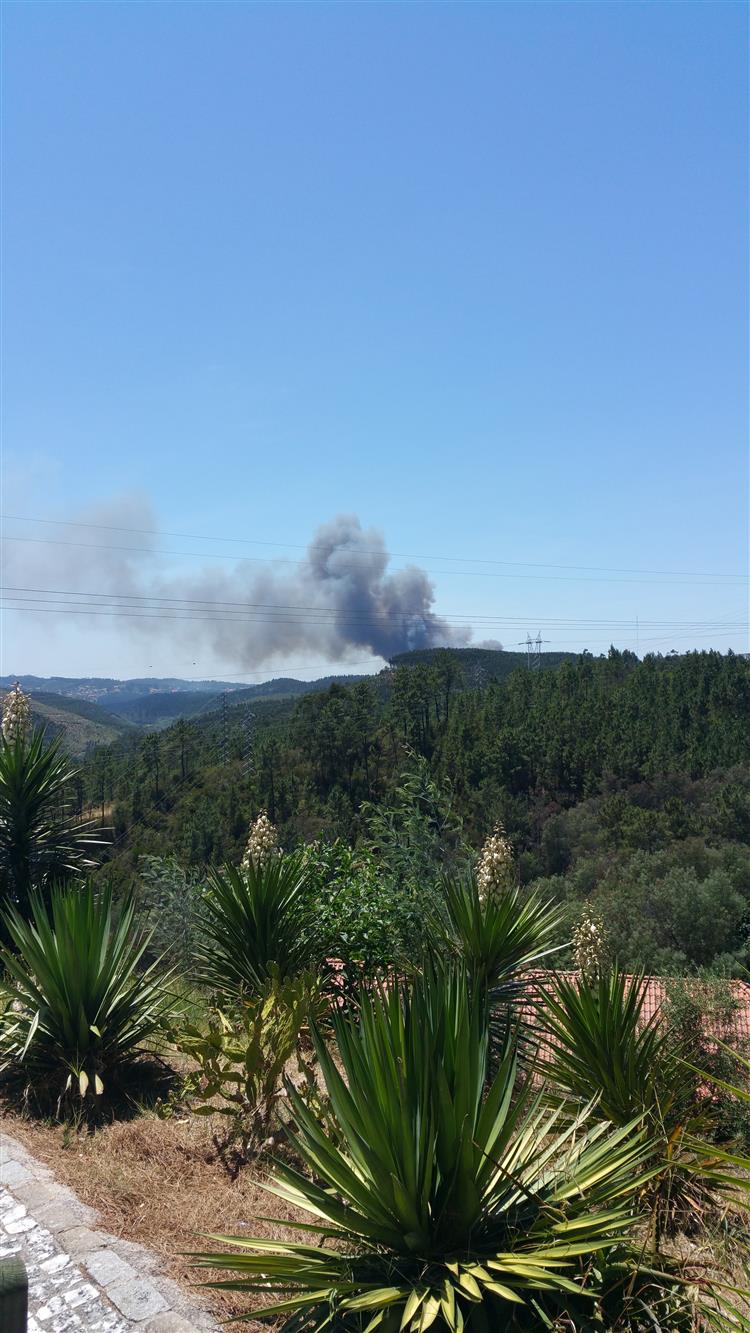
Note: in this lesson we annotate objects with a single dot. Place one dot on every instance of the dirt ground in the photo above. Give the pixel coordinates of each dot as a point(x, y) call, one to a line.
point(161, 1184)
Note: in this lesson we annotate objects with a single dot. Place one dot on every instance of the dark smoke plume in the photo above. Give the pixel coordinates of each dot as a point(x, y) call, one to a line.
point(336, 603)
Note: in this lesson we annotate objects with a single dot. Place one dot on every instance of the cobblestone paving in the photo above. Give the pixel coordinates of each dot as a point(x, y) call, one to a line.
point(59, 1294)
point(81, 1278)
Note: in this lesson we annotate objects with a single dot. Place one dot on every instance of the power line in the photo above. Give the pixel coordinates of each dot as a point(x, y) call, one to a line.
point(157, 603)
point(677, 580)
point(702, 633)
point(332, 621)
point(301, 546)
point(177, 616)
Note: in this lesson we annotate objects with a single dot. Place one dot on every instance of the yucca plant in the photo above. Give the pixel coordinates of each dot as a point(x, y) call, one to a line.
point(499, 935)
point(82, 1009)
point(450, 1202)
point(601, 1051)
point(601, 1048)
point(41, 841)
point(253, 927)
point(502, 937)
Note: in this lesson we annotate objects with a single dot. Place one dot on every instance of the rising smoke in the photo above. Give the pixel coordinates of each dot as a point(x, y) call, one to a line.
point(336, 602)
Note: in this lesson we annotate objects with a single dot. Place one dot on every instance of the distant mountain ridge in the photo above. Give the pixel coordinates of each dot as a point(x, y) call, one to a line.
point(111, 693)
point(149, 702)
point(108, 690)
point(160, 709)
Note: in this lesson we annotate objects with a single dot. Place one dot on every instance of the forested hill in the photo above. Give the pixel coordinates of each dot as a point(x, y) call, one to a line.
point(144, 702)
point(622, 784)
point(481, 665)
point(160, 708)
point(539, 736)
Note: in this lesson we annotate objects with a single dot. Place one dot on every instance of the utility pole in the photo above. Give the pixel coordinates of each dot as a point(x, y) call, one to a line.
point(224, 729)
point(249, 740)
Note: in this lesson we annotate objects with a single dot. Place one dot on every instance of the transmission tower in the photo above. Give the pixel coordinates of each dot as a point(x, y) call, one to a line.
point(224, 729)
point(533, 650)
point(249, 763)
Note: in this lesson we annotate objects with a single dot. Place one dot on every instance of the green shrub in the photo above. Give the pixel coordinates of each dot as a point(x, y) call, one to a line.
point(356, 913)
point(702, 1012)
point(172, 898)
point(241, 1059)
point(83, 1011)
point(447, 1207)
point(664, 912)
point(415, 833)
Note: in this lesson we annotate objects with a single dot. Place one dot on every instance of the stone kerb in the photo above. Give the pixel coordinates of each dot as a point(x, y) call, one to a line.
point(80, 1277)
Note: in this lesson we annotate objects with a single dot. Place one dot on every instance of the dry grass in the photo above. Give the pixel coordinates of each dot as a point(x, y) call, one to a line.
point(161, 1184)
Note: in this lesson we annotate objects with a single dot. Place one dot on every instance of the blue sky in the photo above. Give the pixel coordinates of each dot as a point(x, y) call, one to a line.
point(474, 273)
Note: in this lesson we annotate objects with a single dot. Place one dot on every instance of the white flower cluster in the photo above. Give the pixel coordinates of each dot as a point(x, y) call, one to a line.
point(495, 868)
point(590, 946)
point(262, 843)
point(16, 713)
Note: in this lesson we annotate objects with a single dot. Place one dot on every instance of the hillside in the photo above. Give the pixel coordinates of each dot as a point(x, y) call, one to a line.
point(109, 692)
point(160, 708)
point(624, 785)
point(480, 665)
point(83, 725)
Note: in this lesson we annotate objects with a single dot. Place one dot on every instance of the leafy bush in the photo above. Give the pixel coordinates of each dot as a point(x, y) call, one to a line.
point(252, 927)
point(241, 1059)
point(650, 904)
point(446, 1207)
point(415, 833)
point(356, 913)
point(702, 1012)
point(83, 1010)
point(41, 841)
point(172, 898)
point(655, 918)
point(373, 905)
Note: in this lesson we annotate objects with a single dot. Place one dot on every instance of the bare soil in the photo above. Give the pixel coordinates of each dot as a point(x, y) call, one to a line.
point(162, 1184)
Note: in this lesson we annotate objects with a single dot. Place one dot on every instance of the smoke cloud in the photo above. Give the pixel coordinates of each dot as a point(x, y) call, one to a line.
point(337, 602)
